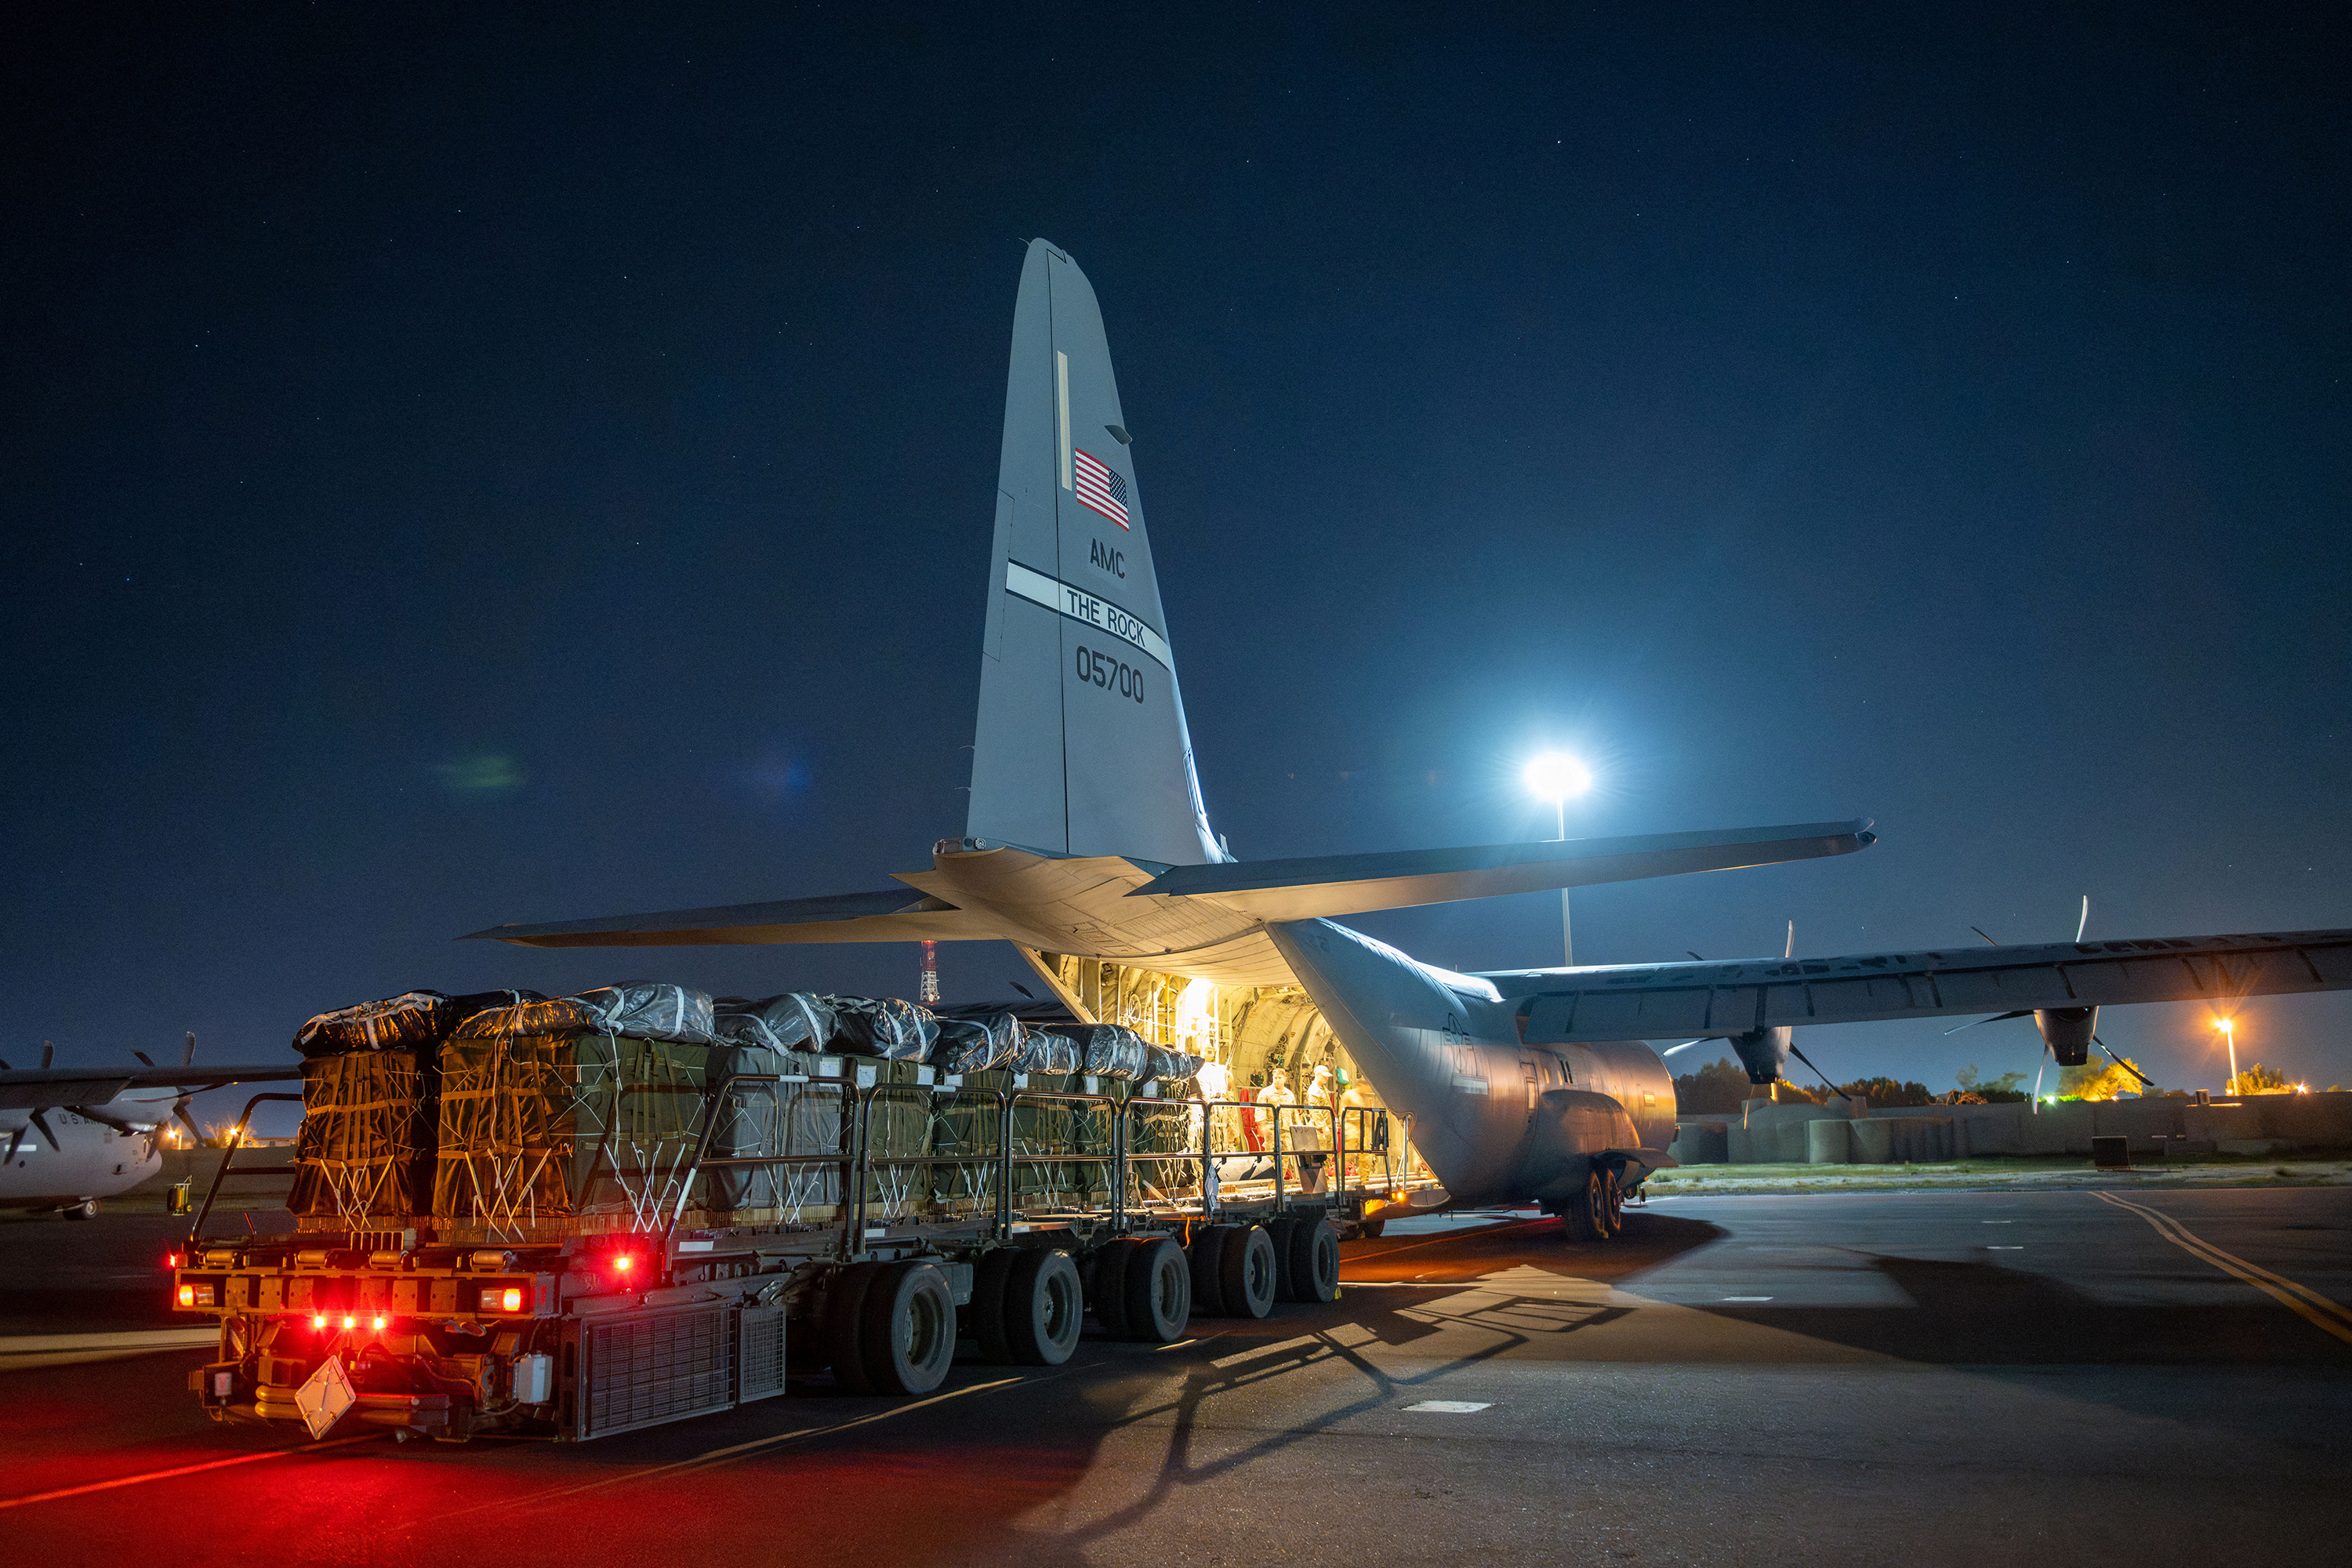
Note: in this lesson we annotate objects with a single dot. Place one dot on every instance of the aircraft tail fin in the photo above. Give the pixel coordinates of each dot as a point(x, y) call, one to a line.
point(1080, 747)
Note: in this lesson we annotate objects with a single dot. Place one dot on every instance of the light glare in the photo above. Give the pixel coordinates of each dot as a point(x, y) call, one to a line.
point(1556, 776)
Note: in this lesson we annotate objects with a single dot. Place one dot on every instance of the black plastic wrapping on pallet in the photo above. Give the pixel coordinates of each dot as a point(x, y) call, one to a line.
point(414, 1020)
point(1108, 1050)
point(1048, 1051)
point(534, 1014)
point(1169, 1067)
point(795, 1021)
point(881, 1026)
point(978, 1044)
point(652, 1010)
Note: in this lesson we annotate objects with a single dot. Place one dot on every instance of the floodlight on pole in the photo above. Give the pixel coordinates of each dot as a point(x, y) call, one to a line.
point(1554, 776)
point(2228, 1035)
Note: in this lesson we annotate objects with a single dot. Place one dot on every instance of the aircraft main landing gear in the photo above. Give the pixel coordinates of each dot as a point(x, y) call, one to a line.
point(1597, 1212)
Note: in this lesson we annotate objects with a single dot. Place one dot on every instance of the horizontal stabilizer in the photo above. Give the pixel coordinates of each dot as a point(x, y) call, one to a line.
point(40, 1088)
point(1328, 886)
point(888, 915)
point(1682, 1001)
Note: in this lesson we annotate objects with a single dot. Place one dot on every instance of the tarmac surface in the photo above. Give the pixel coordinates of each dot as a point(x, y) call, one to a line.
point(1964, 1377)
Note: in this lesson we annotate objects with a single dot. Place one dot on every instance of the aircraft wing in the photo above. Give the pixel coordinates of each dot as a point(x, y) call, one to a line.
point(1659, 1001)
point(889, 915)
point(1330, 886)
point(39, 1088)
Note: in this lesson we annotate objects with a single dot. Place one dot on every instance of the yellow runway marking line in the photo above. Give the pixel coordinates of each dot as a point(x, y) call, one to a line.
point(2321, 1312)
point(182, 1471)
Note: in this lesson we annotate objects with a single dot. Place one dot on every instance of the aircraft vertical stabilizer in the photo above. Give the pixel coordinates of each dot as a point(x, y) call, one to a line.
point(1081, 747)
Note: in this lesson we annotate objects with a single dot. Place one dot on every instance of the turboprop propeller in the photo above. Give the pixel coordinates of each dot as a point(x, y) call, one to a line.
point(2067, 1033)
point(1762, 1051)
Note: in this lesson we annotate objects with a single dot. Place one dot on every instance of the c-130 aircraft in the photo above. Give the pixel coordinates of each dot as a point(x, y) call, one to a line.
point(1087, 847)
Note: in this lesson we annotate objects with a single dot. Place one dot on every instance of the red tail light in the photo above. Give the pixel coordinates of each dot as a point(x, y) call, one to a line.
point(624, 1263)
point(376, 1321)
point(170, 1260)
point(510, 1300)
point(350, 1322)
point(318, 1319)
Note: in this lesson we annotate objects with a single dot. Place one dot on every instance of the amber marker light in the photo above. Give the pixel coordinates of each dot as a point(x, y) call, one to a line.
point(187, 1295)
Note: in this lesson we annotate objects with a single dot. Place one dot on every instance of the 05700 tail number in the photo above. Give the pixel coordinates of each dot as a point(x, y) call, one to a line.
point(1110, 673)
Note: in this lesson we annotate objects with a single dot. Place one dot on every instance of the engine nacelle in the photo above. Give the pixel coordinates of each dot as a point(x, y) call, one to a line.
point(1763, 1052)
point(2068, 1031)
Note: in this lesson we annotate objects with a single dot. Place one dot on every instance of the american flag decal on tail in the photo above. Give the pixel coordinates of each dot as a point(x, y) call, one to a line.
point(1099, 486)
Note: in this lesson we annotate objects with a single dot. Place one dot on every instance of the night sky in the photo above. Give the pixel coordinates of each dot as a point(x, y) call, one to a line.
point(465, 468)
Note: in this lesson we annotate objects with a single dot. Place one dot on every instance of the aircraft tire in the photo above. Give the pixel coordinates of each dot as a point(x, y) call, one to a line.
point(1248, 1273)
point(86, 1209)
point(1587, 1213)
point(1207, 1254)
point(1109, 1298)
point(844, 1326)
point(909, 1329)
point(1612, 1206)
point(1314, 1272)
point(1158, 1291)
point(982, 1320)
point(1045, 1307)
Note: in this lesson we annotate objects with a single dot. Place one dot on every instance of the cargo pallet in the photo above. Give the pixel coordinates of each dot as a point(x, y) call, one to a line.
point(581, 1336)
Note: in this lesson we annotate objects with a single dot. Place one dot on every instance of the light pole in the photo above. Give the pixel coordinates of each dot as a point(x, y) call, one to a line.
point(1554, 776)
point(2229, 1036)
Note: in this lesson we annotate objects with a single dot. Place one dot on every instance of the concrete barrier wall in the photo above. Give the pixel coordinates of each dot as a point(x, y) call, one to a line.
point(1780, 1133)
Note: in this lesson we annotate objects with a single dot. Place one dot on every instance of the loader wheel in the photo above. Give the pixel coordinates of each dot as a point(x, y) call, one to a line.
point(1279, 1230)
point(86, 1209)
point(1314, 1271)
point(1248, 1273)
point(844, 1326)
point(1045, 1308)
point(909, 1329)
point(1109, 1296)
point(1369, 1230)
point(1208, 1260)
point(1158, 1291)
point(984, 1318)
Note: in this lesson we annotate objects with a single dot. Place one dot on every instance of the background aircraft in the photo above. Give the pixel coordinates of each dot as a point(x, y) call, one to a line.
point(1088, 845)
point(75, 1135)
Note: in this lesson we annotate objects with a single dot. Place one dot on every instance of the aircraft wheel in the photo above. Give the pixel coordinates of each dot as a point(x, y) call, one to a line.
point(86, 1209)
point(1248, 1273)
point(1208, 1258)
point(1583, 1213)
point(1158, 1291)
point(1314, 1271)
point(1612, 1206)
point(1045, 1307)
point(983, 1319)
point(909, 1329)
point(1109, 1297)
point(845, 1326)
